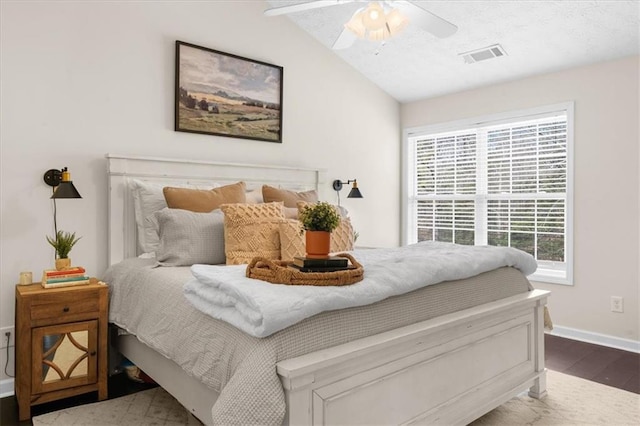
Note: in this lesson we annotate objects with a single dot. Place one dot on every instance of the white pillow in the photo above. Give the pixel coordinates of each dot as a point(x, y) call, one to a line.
point(148, 199)
point(343, 211)
point(254, 196)
point(188, 237)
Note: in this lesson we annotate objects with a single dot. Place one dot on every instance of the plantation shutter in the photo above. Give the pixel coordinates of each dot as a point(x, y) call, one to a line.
point(498, 183)
point(527, 181)
point(446, 180)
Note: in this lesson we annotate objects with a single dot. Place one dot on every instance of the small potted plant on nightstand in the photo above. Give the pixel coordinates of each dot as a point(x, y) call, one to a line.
point(63, 243)
point(318, 220)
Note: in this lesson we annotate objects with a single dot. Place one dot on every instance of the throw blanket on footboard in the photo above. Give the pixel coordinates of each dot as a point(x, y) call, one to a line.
point(260, 308)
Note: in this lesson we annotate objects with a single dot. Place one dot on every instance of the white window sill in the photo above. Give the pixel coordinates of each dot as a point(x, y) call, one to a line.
point(550, 277)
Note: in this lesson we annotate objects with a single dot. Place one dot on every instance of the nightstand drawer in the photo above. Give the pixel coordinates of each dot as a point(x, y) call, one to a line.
point(62, 309)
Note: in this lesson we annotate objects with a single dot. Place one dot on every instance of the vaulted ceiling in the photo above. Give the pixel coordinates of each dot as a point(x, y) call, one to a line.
point(538, 37)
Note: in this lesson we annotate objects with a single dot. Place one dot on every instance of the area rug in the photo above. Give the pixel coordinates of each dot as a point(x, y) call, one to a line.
point(570, 401)
point(150, 407)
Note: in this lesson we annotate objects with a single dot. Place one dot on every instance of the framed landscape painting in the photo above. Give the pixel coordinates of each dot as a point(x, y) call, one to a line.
point(222, 94)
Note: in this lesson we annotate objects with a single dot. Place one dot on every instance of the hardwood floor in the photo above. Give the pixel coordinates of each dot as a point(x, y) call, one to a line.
point(613, 367)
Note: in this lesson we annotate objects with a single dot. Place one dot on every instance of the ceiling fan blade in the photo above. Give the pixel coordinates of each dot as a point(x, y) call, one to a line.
point(426, 20)
point(274, 11)
point(344, 40)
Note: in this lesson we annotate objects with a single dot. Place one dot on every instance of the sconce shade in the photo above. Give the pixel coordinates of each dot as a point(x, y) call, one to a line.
point(354, 193)
point(66, 190)
point(61, 181)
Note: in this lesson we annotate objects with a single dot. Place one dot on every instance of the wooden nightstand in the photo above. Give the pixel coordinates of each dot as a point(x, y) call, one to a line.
point(61, 343)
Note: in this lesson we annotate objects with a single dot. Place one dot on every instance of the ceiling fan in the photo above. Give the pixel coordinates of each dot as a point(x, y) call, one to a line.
point(378, 20)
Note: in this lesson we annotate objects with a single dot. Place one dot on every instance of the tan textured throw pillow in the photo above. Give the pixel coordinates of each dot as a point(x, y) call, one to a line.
point(291, 240)
point(203, 200)
point(289, 198)
point(251, 230)
point(342, 236)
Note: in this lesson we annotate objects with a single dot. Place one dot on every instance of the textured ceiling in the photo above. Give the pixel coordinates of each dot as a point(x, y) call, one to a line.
point(538, 36)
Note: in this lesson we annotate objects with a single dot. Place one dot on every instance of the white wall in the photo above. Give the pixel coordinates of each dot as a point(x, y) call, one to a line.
point(606, 182)
point(80, 80)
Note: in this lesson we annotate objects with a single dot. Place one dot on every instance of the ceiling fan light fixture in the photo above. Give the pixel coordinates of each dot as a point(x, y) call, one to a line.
point(375, 23)
point(388, 15)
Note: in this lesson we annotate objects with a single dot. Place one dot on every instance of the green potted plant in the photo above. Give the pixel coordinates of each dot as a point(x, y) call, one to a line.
point(318, 220)
point(63, 243)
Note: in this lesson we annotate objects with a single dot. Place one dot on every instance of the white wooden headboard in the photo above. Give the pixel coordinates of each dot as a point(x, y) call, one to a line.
point(122, 225)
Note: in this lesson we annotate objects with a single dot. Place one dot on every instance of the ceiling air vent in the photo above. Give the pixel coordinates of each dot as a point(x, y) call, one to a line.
point(483, 54)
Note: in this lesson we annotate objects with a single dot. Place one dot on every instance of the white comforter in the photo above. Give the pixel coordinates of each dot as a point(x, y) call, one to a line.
point(260, 308)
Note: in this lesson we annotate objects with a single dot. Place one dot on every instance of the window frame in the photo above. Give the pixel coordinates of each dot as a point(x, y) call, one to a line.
point(408, 219)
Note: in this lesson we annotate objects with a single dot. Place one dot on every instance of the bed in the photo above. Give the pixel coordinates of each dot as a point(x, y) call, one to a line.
point(422, 357)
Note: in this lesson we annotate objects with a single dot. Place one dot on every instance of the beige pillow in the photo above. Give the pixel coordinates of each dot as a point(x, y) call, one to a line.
point(291, 240)
point(251, 230)
point(289, 198)
point(202, 200)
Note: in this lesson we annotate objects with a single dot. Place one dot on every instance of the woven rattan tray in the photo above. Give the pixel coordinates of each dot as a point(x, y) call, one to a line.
point(278, 272)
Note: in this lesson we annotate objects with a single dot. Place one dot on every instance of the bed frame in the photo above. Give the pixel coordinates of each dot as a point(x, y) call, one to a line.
point(448, 370)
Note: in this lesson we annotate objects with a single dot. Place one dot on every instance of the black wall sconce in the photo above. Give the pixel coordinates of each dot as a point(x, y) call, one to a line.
point(354, 193)
point(63, 187)
point(61, 182)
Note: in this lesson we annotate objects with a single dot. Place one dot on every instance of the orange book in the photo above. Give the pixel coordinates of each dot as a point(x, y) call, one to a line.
point(55, 273)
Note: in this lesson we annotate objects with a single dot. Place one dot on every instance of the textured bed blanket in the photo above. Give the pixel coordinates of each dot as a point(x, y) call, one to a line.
point(261, 308)
point(240, 369)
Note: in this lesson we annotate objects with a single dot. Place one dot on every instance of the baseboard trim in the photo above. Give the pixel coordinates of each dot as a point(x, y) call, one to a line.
point(596, 338)
point(6, 388)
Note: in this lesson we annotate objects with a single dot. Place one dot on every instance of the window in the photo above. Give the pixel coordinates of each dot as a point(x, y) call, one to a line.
point(503, 180)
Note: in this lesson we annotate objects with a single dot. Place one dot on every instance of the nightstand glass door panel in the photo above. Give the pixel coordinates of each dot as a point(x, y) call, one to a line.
point(64, 356)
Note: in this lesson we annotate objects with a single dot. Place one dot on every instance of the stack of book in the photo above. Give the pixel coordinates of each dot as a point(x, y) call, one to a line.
point(68, 277)
point(330, 264)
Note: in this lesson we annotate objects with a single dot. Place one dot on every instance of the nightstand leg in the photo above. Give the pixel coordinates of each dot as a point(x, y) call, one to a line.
point(24, 409)
point(102, 392)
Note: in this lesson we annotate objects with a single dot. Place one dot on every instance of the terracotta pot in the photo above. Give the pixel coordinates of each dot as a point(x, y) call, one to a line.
point(317, 244)
point(62, 264)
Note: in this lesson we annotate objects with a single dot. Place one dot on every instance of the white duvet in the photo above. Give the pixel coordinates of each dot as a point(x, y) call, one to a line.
point(260, 308)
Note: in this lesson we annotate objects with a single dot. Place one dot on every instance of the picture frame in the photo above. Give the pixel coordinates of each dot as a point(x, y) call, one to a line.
point(218, 93)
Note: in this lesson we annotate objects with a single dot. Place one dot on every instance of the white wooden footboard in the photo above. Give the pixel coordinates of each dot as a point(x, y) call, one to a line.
point(448, 370)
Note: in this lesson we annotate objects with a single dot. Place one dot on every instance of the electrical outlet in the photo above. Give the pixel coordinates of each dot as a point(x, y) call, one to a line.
point(617, 304)
point(3, 337)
